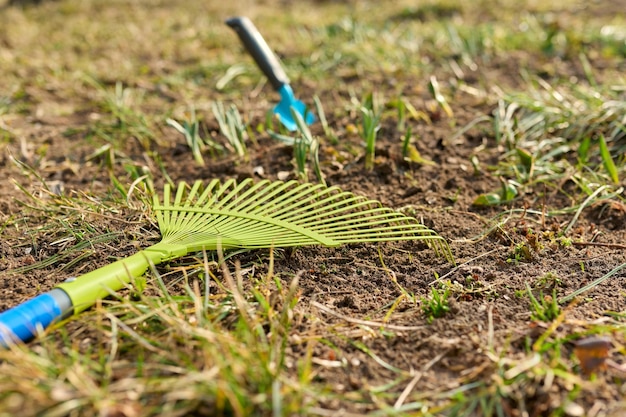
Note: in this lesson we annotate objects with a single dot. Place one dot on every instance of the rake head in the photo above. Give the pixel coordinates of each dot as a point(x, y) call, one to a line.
point(279, 214)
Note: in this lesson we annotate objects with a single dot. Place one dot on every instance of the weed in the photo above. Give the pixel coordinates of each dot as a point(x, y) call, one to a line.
point(545, 308)
point(410, 152)
point(190, 129)
point(128, 120)
point(301, 149)
point(435, 91)
point(549, 280)
point(545, 128)
point(370, 125)
point(328, 131)
point(231, 126)
point(437, 305)
point(305, 148)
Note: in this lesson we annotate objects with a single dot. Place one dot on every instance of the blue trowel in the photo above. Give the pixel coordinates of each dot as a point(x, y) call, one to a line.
point(269, 64)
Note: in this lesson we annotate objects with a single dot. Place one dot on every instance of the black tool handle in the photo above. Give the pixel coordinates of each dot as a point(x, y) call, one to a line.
point(260, 51)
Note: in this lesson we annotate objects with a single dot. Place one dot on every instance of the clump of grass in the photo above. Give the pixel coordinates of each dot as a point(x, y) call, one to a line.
point(555, 132)
point(231, 126)
point(437, 305)
point(370, 124)
point(435, 91)
point(122, 104)
point(190, 129)
point(545, 308)
point(213, 348)
point(305, 148)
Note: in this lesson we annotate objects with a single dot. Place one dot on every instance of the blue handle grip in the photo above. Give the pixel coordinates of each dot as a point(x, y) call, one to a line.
point(23, 321)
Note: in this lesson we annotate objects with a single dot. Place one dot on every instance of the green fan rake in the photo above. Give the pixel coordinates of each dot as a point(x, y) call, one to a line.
point(227, 215)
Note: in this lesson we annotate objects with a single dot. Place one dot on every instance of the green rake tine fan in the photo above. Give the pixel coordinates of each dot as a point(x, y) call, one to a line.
point(226, 215)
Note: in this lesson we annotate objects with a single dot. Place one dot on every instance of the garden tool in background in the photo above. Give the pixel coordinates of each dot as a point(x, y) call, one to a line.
point(269, 64)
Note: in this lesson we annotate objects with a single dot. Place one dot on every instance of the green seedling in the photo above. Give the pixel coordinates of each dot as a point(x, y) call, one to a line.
point(328, 131)
point(231, 126)
point(607, 160)
point(437, 305)
point(506, 193)
point(550, 280)
point(370, 124)
point(301, 150)
point(544, 309)
point(410, 152)
point(306, 147)
point(435, 91)
point(190, 129)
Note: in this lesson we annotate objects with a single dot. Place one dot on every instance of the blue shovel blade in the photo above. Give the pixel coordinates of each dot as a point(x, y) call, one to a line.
point(287, 102)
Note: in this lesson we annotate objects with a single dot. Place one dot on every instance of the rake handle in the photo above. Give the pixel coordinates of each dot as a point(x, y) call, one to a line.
point(25, 321)
point(260, 50)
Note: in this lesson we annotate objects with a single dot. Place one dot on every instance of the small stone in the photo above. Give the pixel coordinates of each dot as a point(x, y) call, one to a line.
point(574, 410)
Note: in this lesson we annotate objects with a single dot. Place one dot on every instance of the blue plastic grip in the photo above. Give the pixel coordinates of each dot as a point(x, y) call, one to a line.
point(23, 321)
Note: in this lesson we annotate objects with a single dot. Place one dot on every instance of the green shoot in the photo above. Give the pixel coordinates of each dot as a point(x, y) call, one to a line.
point(544, 309)
point(607, 160)
point(190, 129)
point(370, 122)
point(231, 126)
point(435, 91)
point(328, 132)
point(437, 305)
point(301, 148)
point(306, 146)
point(406, 141)
point(401, 108)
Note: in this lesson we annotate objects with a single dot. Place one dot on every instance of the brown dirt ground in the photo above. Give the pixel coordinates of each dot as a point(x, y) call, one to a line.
point(351, 280)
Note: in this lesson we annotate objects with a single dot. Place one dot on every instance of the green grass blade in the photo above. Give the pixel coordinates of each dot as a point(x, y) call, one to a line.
point(607, 160)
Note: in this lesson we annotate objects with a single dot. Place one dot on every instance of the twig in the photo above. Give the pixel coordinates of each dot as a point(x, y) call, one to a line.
point(453, 270)
point(364, 322)
point(605, 245)
point(585, 203)
point(416, 378)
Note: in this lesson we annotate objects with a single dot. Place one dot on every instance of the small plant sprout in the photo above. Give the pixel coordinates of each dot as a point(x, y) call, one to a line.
point(328, 131)
point(190, 129)
point(607, 160)
point(410, 152)
point(437, 305)
point(301, 148)
point(400, 105)
point(550, 280)
point(406, 142)
point(370, 122)
point(435, 91)
point(231, 126)
point(306, 146)
point(544, 309)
